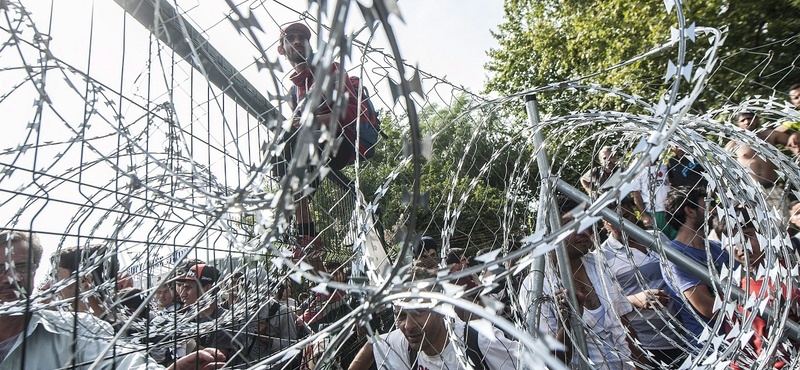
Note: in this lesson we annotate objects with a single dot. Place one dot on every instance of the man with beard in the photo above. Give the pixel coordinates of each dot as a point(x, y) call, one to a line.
point(687, 208)
point(601, 305)
point(295, 47)
point(422, 342)
point(593, 179)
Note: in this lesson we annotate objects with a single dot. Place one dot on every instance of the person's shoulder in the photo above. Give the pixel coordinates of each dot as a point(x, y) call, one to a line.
point(673, 161)
point(677, 245)
point(59, 322)
point(793, 125)
point(394, 339)
point(611, 247)
point(590, 257)
point(715, 247)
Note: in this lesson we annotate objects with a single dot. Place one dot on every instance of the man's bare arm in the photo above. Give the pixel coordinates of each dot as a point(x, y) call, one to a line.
point(636, 352)
point(639, 201)
point(364, 359)
point(701, 299)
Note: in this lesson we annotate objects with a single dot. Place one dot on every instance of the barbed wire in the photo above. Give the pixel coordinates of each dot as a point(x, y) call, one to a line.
point(147, 148)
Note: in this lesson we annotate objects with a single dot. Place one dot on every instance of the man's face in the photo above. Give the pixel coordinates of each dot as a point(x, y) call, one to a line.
point(422, 328)
point(164, 296)
point(188, 291)
point(578, 244)
point(11, 280)
point(296, 47)
point(610, 161)
point(700, 215)
point(755, 255)
point(460, 265)
point(263, 330)
point(794, 97)
point(627, 214)
point(747, 121)
point(795, 219)
point(69, 290)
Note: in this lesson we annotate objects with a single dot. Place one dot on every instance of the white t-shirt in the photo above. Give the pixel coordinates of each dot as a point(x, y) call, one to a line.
point(391, 352)
point(654, 186)
point(652, 327)
point(606, 340)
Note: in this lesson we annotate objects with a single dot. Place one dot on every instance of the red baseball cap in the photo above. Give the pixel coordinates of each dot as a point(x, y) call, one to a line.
point(296, 27)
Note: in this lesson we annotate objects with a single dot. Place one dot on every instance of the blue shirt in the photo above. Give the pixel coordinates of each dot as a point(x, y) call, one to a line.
point(634, 274)
point(684, 280)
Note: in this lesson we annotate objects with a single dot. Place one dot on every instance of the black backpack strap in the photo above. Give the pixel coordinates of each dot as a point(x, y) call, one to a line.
point(273, 309)
point(293, 91)
point(473, 350)
point(413, 358)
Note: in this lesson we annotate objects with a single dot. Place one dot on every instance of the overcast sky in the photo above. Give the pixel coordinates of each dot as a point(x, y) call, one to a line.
point(446, 38)
point(450, 37)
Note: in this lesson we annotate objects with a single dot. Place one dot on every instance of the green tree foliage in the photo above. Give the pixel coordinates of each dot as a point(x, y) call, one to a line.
point(480, 186)
point(547, 41)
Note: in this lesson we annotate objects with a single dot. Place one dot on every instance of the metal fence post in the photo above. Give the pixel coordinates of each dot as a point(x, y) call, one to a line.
point(553, 220)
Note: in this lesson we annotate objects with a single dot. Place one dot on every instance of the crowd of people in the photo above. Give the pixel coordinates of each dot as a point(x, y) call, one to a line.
point(636, 310)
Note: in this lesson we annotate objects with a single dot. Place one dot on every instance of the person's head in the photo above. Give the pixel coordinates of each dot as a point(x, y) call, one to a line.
point(131, 299)
point(285, 290)
point(456, 259)
point(198, 280)
point(25, 251)
point(626, 209)
point(337, 271)
point(302, 297)
point(165, 296)
point(794, 212)
point(427, 247)
point(578, 243)
point(794, 94)
point(679, 153)
point(607, 157)
point(744, 223)
point(747, 120)
point(187, 264)
point(686, 207)
point(95, 259)
point(423, 327)
point(294, 43)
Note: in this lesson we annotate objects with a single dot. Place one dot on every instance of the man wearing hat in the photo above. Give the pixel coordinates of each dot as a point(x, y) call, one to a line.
point(199, 280)
point(294, 45)
point(427, 247)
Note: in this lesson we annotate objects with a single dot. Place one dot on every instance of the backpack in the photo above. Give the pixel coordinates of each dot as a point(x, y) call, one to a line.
point(474, 353)
point(370, 128)
point(368, 123)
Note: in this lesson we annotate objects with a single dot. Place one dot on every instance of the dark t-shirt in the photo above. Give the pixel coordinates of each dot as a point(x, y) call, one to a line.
point(219, 338)
point(596, 176)
point(684, 281)
point(684, 172)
